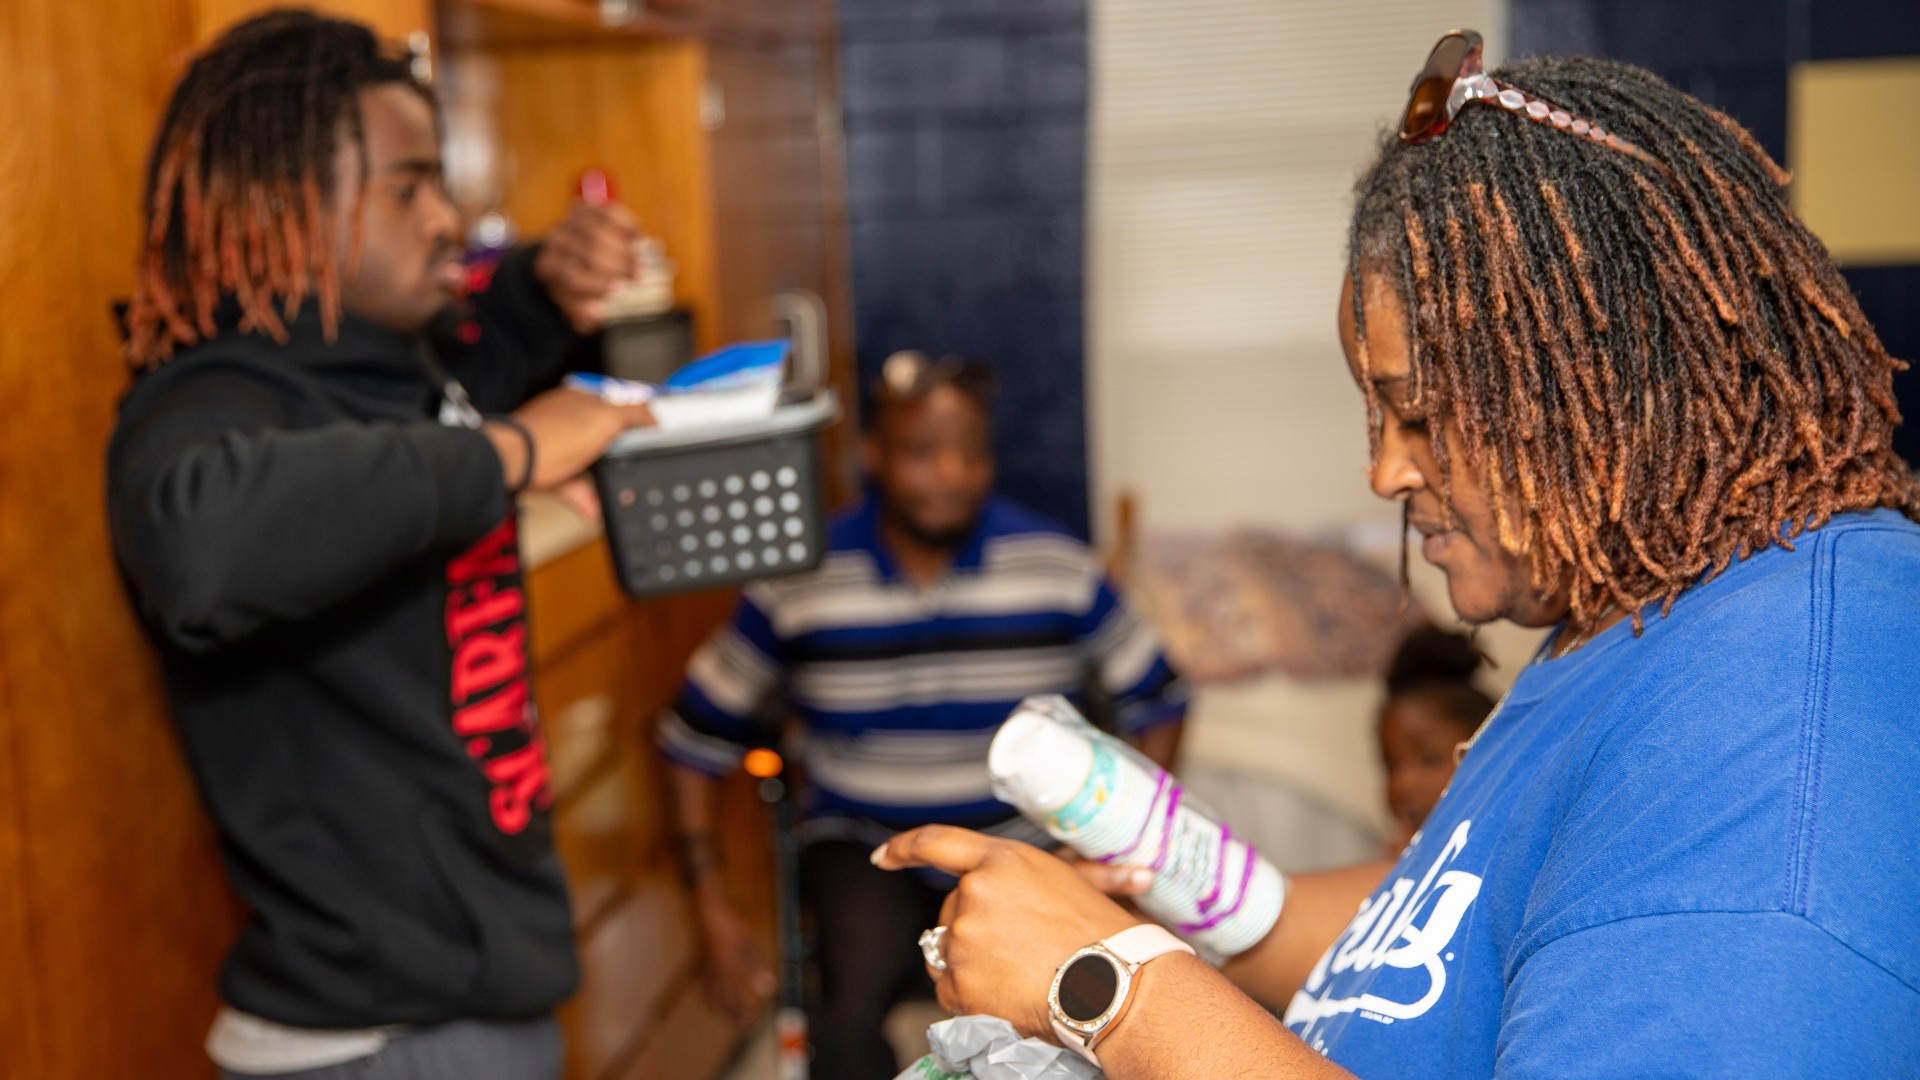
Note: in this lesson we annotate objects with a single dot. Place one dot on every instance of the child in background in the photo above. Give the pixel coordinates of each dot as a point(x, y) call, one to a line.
point(1432, 706)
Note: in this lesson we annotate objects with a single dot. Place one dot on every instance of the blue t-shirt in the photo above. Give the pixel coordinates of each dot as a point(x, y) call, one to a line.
point(1691, 853)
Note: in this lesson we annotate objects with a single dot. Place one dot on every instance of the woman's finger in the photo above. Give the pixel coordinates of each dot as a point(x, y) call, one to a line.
point(1114, 880)
point(952, 850)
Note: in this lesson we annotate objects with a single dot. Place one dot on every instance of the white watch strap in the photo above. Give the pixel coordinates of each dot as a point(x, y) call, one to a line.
point(1074, 1041)
point(1139, 944)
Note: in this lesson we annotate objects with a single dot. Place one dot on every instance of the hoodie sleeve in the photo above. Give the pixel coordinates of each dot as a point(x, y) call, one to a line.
point(522, 342)
point(226, 521)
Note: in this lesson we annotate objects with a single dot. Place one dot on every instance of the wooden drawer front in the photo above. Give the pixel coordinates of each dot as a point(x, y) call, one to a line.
point(642, 1004)
point(745, 828)
point(589, 703)
point(570, 597)
point(687, 621)
point(691, 1043)
point(603, 834)
point(630, 961)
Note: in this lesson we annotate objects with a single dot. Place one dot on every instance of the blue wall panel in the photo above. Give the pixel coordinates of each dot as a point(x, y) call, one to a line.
point(1735, 55)
point(966, 125)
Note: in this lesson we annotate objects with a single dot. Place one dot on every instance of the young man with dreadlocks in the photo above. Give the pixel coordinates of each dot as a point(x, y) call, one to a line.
point(1620, 391)
point(310, 491)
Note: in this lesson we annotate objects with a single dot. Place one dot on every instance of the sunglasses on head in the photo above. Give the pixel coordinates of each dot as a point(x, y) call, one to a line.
point(1453, 79)
point(910, 374)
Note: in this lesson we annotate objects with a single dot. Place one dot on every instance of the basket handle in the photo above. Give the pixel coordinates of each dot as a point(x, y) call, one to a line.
point(806, 320)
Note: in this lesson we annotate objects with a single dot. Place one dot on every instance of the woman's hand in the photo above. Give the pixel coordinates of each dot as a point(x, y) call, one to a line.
point(1114, 879)
point(1017, 914)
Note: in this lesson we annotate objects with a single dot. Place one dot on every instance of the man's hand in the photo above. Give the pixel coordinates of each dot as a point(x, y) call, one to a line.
point(584, 257)
point(569, 431)
point(1017, 914)
point(738, 978)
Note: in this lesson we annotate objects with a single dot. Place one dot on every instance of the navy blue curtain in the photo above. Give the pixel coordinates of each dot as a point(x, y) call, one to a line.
point(966, 129)
point(1734, 55)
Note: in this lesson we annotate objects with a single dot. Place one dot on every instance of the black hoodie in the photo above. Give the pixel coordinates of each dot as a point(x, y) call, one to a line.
point(332, 580)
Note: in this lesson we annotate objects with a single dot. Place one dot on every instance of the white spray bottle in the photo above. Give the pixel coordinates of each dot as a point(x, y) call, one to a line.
point(1105, 800)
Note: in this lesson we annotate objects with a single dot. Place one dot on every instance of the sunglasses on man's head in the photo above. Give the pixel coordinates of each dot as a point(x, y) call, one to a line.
point(1453, 79)
point(910, 374)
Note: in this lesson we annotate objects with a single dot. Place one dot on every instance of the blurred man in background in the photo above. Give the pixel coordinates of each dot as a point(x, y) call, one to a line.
point(938, 608)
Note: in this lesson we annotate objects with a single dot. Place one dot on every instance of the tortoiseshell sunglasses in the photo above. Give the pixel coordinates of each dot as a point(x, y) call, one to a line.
point(1453, 78)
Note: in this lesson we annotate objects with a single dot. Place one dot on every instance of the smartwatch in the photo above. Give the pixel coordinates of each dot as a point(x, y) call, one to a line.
point(1092, 989)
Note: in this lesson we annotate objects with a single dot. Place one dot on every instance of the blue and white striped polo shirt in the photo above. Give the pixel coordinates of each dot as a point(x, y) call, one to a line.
point(899, 688)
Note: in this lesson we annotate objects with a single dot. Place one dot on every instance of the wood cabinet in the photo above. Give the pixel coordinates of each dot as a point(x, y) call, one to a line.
point(113, 910)
point(604, 668)
point(708, 115)
point(719, 120)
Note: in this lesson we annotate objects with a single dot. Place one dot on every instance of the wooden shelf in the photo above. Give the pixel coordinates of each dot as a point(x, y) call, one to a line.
point(546, 24)
point(532, 25)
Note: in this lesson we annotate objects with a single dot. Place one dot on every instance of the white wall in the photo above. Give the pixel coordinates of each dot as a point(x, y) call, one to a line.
point(1226, 137)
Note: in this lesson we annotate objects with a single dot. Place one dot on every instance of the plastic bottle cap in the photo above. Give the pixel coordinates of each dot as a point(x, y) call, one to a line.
point(1037, 763)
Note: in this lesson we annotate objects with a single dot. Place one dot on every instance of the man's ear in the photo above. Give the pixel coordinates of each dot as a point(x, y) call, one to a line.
point(871, 453)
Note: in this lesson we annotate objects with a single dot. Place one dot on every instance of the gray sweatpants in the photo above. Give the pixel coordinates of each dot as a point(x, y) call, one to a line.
point(462, 1050)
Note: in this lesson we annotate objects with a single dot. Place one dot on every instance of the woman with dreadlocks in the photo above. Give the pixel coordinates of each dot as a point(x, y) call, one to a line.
point(310, 490)
point(1621, 392)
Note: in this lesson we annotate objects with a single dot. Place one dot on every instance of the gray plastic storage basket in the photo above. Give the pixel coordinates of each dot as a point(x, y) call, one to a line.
point(717, 505)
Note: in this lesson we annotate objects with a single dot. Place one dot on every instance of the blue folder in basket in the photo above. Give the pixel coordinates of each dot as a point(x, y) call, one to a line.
point(748, 363)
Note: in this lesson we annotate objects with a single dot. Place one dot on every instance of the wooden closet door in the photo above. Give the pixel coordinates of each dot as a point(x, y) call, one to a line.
point(113, 912)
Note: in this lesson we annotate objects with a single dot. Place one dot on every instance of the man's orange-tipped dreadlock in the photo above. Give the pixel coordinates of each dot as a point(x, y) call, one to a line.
point(240, 181)
point(1657, 368)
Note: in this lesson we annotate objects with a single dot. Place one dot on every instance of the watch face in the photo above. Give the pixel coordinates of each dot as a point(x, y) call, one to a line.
point(1087, 988)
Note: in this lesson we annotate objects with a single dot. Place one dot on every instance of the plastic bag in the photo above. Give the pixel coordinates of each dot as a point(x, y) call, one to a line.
point(988, 1048)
